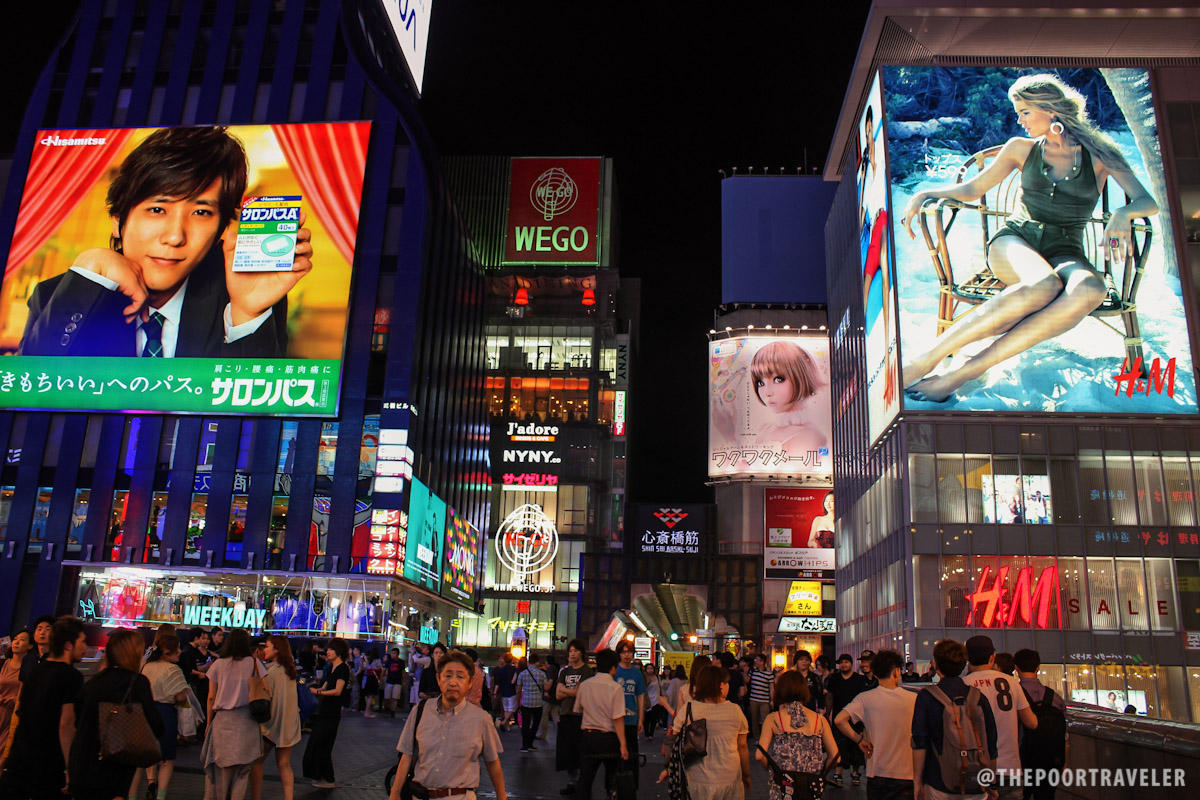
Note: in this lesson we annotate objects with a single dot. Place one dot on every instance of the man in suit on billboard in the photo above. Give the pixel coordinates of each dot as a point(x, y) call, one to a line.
point(166, 287)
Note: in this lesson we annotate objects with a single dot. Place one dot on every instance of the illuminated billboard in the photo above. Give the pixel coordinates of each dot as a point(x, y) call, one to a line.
point(553, 211)
point(426, 537)
point(799, 541)
point(769, 408)
point(183, 270)
point(410, 23)
point(1015, 294)
point(803, 600)
point(878, 269)
point(462, 559)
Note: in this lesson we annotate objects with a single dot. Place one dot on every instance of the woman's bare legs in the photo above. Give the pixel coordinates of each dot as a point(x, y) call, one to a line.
point(1083, 293)
point(283, 760)
point(256, 772)
point(1031, 286)
point(165, 770)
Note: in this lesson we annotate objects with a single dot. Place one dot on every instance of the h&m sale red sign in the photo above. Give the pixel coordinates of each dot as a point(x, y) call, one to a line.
point(553, 211)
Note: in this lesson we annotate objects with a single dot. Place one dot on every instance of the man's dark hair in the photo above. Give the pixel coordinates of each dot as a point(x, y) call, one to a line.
point(457, 657)
point(472, 652)
point(180, 162)
point(1027, 660)
point(727, 660)
point(196, 633)
point(65, 632)
point(1004, 663)
point(438, 646)
point(747, 660)
point(534, 658)
point(763, 656)
point(396, 650)
point(624, 645)
point(50, 618)
point(950, 657)
point(883, 662)
point(578, 645)
point(605, 661)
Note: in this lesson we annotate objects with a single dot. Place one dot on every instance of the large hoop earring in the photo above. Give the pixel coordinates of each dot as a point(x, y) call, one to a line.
point(1057, 128)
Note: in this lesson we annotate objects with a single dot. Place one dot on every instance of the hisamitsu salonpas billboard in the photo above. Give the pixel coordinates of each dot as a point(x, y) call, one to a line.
point(177, 270)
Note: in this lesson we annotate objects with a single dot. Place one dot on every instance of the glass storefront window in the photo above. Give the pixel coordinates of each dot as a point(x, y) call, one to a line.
point(1172, 697)
point(1160, 592)
point(978, 470)
point(41, 515)
point(1080, 683)
point(236, 531)
point(957, 582)
point(1072, 598)
point(1151, 494)
point(156, 527)
point(1111, 692)
point(1131, 589)
point(951, 502)
point(1122, 493)
point(1064, 491)
point(1102, 588)
point(327, 450)
point(116, 524)
point(922, 478)
point(275, 537)
point(1093, 490)
point(78, 519)
point(1187, 577)
point(287, 447)
point(195, 529)
point(1193, 680)
point(1178, 491)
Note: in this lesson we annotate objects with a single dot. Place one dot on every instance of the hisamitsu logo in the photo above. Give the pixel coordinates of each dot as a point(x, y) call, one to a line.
point(553, 193)
point(58, 141)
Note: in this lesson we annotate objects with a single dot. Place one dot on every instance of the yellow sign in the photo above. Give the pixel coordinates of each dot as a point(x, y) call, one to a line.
point(804, 599)
point(674, 660)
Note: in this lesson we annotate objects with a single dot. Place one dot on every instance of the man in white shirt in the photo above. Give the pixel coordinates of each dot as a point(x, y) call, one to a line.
point(601, 701)
point(1010, 707)
point(886, 713)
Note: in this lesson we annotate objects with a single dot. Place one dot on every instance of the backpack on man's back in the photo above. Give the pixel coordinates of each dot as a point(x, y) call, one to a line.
point(1045, 747)
point(964, 753)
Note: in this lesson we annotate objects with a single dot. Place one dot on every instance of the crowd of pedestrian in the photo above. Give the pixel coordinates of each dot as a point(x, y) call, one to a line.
point(243, 699)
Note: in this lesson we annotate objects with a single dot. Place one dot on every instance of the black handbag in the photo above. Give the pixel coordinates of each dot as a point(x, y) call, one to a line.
point(625, 782)
point(695, 738)
point(410, 788)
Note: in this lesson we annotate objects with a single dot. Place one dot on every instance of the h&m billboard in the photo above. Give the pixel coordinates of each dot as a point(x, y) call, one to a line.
point(553, 211)
point(183, 270)
point(1034, 261)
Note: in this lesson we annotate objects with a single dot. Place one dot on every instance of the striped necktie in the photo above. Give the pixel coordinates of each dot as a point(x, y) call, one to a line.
point(153, 330)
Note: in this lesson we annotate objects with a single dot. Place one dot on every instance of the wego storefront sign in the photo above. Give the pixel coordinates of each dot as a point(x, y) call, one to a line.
point(553, 211)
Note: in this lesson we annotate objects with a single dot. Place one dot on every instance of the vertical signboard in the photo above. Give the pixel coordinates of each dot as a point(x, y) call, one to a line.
point(553, 211)
point(799, 533)
point(878, 269)
point(427, 529)
point(461, 557)
point(410, 24)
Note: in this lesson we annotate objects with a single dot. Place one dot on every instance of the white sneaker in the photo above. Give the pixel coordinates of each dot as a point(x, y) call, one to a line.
point(324, 785)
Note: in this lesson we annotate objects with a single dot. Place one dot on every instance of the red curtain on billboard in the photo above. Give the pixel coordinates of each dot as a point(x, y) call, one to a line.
point(329, 160)
point(59, 177)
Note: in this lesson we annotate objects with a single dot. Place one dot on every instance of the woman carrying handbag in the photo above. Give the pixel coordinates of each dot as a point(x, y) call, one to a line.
point(281, 731)
point(232, 741)
point(118, 689)
point(794, 739)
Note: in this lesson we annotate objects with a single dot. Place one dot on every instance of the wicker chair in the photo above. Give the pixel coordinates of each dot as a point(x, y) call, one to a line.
point(959, 296)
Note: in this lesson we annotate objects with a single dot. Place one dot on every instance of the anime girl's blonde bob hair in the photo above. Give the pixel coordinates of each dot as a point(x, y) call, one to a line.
point(790, 361)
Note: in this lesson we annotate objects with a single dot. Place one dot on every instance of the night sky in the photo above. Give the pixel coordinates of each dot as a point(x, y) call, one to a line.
point(673, 93)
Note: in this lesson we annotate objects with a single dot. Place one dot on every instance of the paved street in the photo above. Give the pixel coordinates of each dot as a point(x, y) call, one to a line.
point(366, 750)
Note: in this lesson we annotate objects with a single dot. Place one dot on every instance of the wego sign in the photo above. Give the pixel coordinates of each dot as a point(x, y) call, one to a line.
point(553, 211)
point(526, 543)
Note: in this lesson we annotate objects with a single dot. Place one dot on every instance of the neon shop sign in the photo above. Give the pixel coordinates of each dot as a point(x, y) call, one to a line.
point(1034, 603)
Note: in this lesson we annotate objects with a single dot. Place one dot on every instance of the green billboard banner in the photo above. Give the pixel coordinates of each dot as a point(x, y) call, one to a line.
point(294, 387)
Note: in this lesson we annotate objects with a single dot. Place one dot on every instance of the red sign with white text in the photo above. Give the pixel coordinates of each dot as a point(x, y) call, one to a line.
point(553, 211)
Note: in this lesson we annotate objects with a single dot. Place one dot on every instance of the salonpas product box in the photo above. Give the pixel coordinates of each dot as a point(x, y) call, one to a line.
point(266, 238)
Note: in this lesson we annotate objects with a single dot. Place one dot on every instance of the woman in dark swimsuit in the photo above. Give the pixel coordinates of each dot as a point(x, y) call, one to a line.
point(1051, 284)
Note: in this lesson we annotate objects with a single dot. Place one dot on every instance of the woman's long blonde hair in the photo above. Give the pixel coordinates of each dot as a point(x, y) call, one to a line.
point(1067, 105)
